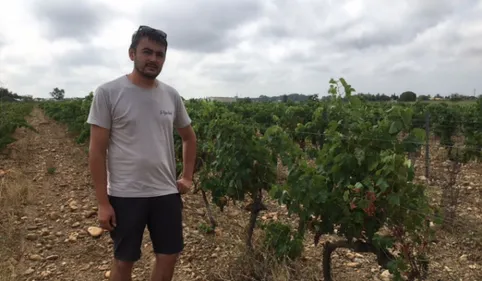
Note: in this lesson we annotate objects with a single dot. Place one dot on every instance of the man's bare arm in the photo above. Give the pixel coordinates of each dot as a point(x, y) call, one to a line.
point(188, 151)
point(99, 140)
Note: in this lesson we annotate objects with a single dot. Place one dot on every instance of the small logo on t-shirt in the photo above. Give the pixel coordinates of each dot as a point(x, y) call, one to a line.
point(163, 112)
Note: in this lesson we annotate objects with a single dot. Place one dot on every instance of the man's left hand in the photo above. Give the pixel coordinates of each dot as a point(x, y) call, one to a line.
point(184, 185)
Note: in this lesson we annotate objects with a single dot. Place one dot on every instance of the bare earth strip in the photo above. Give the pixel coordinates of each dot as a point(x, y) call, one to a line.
point(48, 204)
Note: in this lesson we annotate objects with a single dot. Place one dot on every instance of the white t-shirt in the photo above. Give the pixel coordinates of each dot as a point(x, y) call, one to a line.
point(140, 157)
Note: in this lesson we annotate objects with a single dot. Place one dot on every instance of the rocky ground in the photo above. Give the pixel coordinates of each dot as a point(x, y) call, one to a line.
point(48, 225)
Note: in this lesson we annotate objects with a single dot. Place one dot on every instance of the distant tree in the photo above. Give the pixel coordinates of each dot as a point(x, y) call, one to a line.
point(264, 98)
point(424, 97)
point(27, 98)
point(408, 96)
point(285, 98)
point(6, 95)
point(245, 100)
point(372, 97)
point(382, 97)
point(58, 94)
point(313, 97)
point(456, 97)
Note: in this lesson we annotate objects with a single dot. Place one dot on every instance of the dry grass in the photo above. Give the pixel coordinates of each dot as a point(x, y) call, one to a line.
point(14, 195)
point(260, 265)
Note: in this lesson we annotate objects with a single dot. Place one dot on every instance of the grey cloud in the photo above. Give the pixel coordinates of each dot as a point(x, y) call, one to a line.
point(86, 56)
point(318, 67)
point(300, 57)
point(3, 42)
point(370, 40)
point(313, 60)
point(441, 47)
point(79, 21)
point(377, 26)
point(205, 26)
point(227, 72)
point(274, 31)
point(39, 72)
point(422, 16)
point(475, 52)
point(89, 55)
point(13, 60)
point(443, 44)
point(427, 13)
point(31, 73)
point(428, 46)
point(405, 67)
point(290, 20)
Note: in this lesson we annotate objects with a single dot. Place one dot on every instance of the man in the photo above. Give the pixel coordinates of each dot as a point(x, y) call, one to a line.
point(132, 120)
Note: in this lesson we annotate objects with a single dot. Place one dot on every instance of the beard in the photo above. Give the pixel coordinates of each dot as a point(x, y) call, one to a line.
point(149, 74)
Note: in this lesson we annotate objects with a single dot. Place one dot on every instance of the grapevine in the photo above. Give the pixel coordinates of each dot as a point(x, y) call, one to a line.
point(348, 170)
point(362, 182)
point(12, 117)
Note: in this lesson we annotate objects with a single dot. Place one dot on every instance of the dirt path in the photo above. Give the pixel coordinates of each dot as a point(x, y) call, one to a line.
point(49, 203)
point(51, 227)
point(48, 227)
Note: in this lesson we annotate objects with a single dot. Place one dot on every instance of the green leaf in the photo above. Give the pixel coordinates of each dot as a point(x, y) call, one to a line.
point(382, 183)
point(363, 203)
point(359, 155)
point(407, 118)
point(394, 199)
point(382, 242)
point(373, 166)
point(346, 195)
point(408, 163)
point(355, 101)
point(284, 197)
point(358, 217)
point(322, 196)
point(419, 134)
point(438, 220)
point(395, 127)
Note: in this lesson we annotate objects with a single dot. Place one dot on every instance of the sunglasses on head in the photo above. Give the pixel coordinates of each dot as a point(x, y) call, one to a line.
point(161, 33)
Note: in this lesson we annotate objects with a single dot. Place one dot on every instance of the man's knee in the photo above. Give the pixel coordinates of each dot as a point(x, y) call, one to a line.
point(121, 270)
point(167, 257)
point(164, 260)
point(123, 266)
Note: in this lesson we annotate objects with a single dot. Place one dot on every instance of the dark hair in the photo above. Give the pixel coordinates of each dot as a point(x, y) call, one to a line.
point(155, 35)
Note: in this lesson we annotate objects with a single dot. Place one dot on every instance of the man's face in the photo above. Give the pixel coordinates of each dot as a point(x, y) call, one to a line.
point(149, 58)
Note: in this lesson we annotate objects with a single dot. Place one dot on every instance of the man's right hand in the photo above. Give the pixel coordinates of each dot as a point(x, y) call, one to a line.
point(106, 217)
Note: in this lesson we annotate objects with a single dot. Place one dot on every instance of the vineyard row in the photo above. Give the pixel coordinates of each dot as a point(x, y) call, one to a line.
point(12, 116)
point(347, 160)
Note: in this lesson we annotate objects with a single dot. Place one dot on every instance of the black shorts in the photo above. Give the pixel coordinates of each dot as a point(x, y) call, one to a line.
point(163, 217)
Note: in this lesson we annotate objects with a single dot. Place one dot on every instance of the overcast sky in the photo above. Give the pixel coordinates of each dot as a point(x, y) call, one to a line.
point(246, 47)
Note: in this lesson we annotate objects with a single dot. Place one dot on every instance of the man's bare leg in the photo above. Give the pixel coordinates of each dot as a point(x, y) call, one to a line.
point(164, 267)
point(121, 271)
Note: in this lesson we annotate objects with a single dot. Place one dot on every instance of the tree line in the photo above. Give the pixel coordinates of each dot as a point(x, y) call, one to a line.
point(407, 96)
